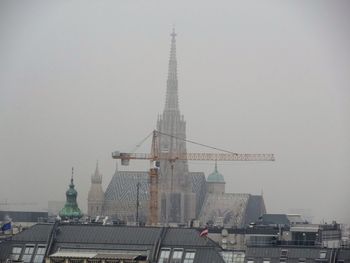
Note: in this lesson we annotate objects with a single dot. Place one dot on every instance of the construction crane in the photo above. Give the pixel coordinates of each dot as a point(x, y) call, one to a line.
point(155, 156)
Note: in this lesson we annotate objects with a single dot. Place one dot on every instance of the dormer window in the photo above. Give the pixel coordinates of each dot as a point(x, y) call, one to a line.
point(39, 255)
point(16, 253)
point(189, 257)
point(177, 256)
point(164, 255)
point(323, 254)
point(28, 253)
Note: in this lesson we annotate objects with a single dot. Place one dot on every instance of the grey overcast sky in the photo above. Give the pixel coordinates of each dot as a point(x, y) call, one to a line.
point(80, 79)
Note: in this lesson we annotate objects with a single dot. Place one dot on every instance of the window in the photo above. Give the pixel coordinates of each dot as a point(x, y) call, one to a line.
point(250, 261)
point(284, 253)
point(189, 257)
point(227, 256)
point(16, 253)
point(323, 254)
point(28, 253)
point(238, 257)
point(233, 257)
point(39, 255)
point(177, 256)
point(164, 256)
point(266, 261)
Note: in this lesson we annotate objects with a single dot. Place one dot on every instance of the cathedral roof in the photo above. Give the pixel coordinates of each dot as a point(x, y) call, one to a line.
point(123, 186)
point(215, 176)
point(232, 209)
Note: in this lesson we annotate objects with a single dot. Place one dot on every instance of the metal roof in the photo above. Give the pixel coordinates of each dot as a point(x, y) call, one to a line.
point(207, 255)
point(96, 234)
point(186, 237)
point(36, 233)
point(98, 241)
point(215, 176)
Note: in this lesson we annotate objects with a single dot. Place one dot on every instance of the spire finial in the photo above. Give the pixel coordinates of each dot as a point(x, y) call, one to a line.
point(216, 166)
point(71, 180)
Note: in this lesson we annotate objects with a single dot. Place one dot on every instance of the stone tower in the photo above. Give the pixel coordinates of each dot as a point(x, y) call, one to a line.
point(216, 182)
point(96, 194)
point(177, 201)
point(71, 209)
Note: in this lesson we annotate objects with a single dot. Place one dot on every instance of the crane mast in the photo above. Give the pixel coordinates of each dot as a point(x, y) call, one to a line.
point(155, 156)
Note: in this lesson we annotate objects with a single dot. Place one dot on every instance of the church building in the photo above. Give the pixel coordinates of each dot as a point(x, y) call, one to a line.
point(183, 195)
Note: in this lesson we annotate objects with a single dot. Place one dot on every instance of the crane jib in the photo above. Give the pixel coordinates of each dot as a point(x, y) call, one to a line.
point(195, 156)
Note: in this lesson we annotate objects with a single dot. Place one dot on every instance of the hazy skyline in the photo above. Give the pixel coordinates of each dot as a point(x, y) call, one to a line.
point(80, 79)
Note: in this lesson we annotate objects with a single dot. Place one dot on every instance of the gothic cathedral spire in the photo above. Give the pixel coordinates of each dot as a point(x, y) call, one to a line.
point(172, 101)
point(176, 197)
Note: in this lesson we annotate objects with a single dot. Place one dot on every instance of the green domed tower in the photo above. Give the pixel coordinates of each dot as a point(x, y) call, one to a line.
point(71, 209)
point(216, 182)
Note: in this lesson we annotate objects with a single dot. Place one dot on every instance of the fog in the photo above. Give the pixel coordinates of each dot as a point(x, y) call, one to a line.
point(80, 79)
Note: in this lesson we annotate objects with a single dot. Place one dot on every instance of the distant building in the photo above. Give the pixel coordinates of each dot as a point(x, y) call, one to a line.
point(183, 195)
point(295, 254)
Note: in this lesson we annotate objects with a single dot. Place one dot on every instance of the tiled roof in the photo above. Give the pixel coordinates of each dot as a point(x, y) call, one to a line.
point(230, 208)
point(199, 187)
point(123, 187)
point(255, 208)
